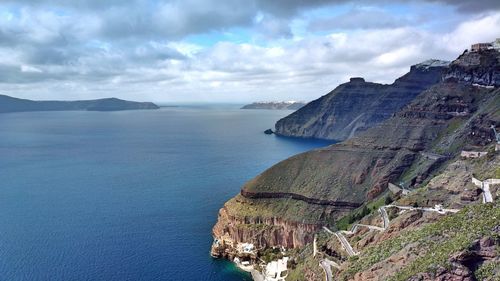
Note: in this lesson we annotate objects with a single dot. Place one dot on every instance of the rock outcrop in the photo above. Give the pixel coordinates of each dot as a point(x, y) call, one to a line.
point(481, 68)
point(355, 106)
point(289, 234)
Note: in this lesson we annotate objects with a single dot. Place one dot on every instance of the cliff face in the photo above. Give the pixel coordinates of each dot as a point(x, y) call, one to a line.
point(358, 105)
point(10, 104)
point(287, 203)
point(289, 234)
point(267, 222)
point(482, 68)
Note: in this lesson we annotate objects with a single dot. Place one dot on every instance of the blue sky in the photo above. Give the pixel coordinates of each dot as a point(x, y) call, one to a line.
point(225, 51)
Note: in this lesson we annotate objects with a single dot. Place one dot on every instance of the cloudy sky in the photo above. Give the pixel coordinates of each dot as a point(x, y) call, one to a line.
point(225, 50)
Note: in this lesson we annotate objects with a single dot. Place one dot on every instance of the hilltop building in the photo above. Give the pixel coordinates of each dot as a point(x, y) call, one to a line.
point(486, 46)
point(480, 46)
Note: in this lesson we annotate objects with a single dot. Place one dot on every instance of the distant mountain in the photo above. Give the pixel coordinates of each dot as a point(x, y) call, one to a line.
point(357, 105)
point(10, 104)
point(288, 105)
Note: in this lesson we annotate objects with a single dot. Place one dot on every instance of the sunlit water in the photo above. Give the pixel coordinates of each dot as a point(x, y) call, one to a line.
point(127, 195)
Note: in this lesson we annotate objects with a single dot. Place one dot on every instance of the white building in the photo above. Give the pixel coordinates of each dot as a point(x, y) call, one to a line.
point(473, 154)
point(246, 248)
point(276, 270)
point(496, 44)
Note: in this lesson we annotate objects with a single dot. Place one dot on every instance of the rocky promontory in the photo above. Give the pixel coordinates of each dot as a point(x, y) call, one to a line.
point(481, 68)
point(357, 105)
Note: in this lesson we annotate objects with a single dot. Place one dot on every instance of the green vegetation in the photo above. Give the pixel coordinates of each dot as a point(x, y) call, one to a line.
point(488, 270)
point(436, 242)
point(302, 264)
point(270, 254)
point(388, 200)
point(346, 221)
point(487, 167)
point(285, 208)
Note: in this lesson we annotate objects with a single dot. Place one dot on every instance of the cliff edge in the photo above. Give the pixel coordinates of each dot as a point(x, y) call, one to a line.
point(355, 106)
point(290, 203)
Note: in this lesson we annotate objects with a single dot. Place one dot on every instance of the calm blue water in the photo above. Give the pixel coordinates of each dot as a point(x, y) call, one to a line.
point(126, 195)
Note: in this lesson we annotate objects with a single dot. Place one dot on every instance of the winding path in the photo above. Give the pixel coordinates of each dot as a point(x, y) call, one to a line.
point(385, 217)
point(485, 186)
point(327, 264)
point(382, 210)
point(355, 227)
point(315, 246)
point(437, 209)
point(345, 244)
point(327, 269)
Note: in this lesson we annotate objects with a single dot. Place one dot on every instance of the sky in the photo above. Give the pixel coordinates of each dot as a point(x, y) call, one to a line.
point(235, 51)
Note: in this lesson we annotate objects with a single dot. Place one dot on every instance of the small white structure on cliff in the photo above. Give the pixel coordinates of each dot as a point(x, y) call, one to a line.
point(480, 46)
point(246, 248)
point(276, 270)
point(485, 46)
point(473, 154)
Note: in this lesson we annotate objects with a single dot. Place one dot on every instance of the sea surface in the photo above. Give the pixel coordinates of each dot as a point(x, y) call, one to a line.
point(128, 195)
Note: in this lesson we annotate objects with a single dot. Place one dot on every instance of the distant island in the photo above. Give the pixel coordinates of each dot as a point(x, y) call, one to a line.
point(11, 104)
point(280, 105)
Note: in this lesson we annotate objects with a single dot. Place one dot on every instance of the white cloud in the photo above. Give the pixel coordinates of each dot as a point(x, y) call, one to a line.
point(48, 54)
point(29, 68)
point(482, 29)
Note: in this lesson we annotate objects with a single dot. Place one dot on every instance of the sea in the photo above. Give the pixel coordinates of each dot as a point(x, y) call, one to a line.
point(129, 195)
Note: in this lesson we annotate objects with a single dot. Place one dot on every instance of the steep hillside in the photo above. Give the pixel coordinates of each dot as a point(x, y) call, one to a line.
point(291, 202)
point(357, 105)
point(10, 104)
point(421, 245)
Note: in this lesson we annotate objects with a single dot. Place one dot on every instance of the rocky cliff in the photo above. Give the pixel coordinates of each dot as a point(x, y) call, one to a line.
point(481, 68)
point(357, 105)
point(10, 104)
point(288, 203)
